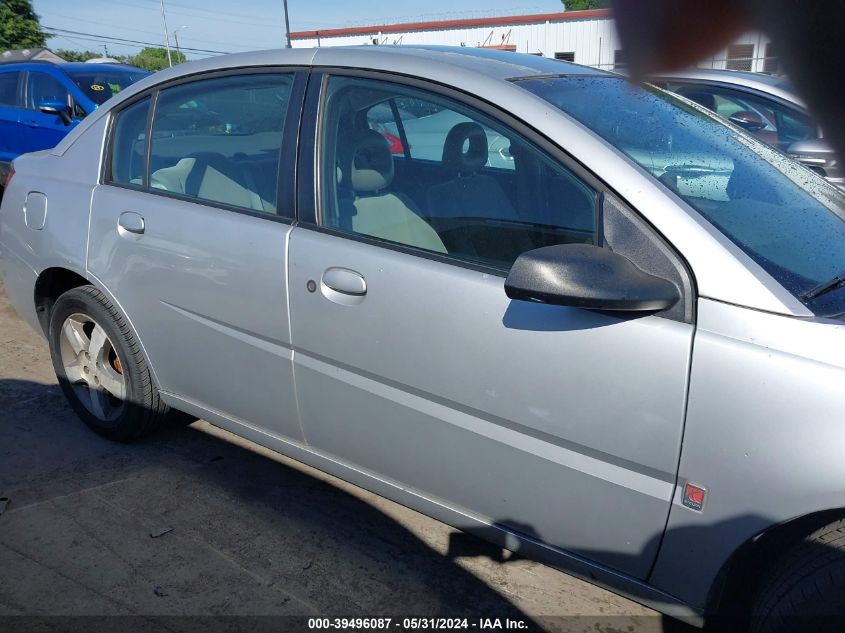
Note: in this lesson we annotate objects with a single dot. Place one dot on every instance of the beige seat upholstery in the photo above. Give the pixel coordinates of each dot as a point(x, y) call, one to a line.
point(364, 155)
point(211, 177)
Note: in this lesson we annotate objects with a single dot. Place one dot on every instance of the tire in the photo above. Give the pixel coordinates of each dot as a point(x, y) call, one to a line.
point(806, 593)
point(97, 359)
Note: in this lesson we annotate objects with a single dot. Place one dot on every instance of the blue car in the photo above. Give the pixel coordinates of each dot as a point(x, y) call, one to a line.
point(41, 101)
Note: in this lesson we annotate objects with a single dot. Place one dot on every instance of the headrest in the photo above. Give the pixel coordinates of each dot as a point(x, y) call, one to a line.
point(702, 98)
point(455, 159)
point(364, 155)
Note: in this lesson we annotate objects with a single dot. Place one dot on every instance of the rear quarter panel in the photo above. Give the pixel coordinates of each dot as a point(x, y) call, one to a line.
point(67, 181)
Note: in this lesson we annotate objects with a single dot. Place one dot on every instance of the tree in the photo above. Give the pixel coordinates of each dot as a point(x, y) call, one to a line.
point(154, 59)
point(77, 56)
point(582, 5)
point(19, 26)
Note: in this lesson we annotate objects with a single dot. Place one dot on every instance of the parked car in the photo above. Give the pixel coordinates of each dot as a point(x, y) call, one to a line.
point(765, 105)
point(622, 353)
point(41, 101)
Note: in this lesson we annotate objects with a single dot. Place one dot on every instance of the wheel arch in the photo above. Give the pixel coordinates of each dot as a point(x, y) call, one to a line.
point(741, 577)
point(49, 286)
point(52, 282)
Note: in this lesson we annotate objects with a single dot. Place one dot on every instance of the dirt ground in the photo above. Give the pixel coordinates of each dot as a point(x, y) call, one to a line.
point(195, 521)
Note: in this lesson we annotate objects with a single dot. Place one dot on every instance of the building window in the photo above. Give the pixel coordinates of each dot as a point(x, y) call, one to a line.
point(619, 59)
point(740, 56)
point(568, 56)
point(770, 63)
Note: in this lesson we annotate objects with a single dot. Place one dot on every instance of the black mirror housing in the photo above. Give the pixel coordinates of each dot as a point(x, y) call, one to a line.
point(589, 277)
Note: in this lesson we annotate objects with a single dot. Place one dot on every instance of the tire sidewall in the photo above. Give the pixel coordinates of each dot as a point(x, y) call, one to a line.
point(81, 301)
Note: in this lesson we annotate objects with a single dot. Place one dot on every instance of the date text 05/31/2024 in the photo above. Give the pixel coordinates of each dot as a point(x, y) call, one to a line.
point(480, 624)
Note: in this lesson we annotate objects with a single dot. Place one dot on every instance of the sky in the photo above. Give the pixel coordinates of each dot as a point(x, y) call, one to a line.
point(214, 26)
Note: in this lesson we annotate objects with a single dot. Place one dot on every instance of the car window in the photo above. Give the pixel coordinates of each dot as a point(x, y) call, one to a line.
point(465, 185)
point(42, 87)
point(129, 135)
point(100, 84)
point(9, 88)
point(220, 139)
point(782, 125)
point(787, 219)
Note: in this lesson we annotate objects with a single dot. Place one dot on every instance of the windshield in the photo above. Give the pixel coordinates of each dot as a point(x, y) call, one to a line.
point(786, 218)
point(101, 84)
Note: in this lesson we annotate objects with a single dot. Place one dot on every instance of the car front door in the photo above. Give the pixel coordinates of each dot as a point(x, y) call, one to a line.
point(189, 232)
point(39, 130)
point(559, 424)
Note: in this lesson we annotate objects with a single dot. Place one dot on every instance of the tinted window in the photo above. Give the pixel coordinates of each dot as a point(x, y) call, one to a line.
point(220, 139)
point(102, 84)
point(42, 87)
point(443, 177)
point(129, 136)
point(787, 219)
point(9, 88)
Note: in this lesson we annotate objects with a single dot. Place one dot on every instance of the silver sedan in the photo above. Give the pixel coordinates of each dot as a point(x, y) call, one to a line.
point(582, 318)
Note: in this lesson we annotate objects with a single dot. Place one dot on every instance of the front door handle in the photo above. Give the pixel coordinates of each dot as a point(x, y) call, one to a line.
point(345, 281)
point(131, 222)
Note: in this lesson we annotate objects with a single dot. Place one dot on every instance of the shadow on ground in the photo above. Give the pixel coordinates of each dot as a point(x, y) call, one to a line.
point(189, 523)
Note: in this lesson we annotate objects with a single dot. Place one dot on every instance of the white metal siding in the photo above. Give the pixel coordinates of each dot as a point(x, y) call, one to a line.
point(593, 40)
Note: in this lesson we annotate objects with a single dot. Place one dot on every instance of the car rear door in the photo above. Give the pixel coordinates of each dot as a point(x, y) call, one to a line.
point(10, 113)
point(558, 424)
point(189, 231)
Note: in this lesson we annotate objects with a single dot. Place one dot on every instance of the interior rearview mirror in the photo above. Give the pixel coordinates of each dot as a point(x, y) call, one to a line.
point(586, 276)
point(58, 108)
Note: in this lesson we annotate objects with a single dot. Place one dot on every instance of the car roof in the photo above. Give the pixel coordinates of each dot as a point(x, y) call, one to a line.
point(447, 63)
point(775, 85)
point(32, 64)
point(493, 63)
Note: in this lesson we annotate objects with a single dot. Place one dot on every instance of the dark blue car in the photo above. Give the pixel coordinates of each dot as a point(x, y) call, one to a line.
point(41, 101)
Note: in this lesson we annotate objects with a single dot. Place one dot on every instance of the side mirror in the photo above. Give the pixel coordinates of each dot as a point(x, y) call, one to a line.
point(586, 276)
point(58, 108)
point(815, 153)
point(750, 121)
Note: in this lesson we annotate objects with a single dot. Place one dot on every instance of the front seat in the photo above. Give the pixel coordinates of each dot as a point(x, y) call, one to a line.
point(366, 167)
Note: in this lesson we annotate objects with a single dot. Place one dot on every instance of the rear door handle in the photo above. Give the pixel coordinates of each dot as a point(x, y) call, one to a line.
point(131, 222)
point(345, 281)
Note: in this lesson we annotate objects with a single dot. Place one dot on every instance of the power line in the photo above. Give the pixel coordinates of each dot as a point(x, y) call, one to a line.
point(120, 26)
point(83, 41)
point(121, 40)
point(211, 15)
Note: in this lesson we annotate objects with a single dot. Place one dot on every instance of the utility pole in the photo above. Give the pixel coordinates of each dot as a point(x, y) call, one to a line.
point(176, 40)
point(166, 35)
point(287, 24)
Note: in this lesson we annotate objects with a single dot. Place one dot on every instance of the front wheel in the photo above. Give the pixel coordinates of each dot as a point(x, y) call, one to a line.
point(806, 594)
point(100, 367)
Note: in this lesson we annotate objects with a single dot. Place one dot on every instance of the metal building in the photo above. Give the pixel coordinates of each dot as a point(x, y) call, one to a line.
point(585, 37)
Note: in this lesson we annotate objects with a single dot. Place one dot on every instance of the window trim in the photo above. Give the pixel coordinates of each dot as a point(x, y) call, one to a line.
point(310, 204)
point(309, 185)
point(286, 170)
